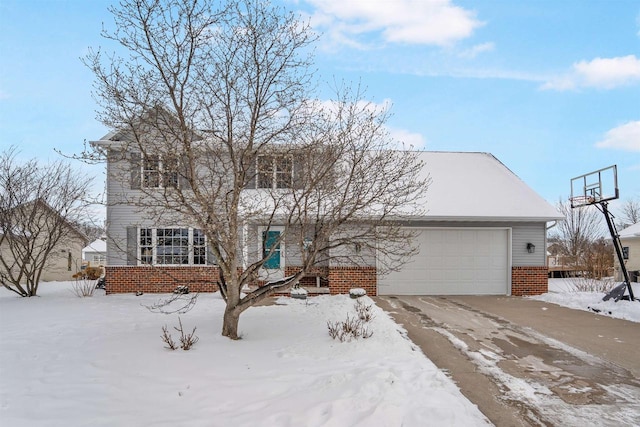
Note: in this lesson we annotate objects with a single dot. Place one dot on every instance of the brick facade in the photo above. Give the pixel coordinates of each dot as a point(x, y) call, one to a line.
point(148, 279)
point(153, 279)
point(341, 279)
point(529, 280)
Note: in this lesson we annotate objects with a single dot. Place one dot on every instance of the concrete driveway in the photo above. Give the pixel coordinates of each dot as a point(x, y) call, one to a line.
point(529, 363)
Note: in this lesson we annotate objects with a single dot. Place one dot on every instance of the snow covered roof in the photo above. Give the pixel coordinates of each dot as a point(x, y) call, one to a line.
point(477, 186)
point(98, 245)
point(630, 232)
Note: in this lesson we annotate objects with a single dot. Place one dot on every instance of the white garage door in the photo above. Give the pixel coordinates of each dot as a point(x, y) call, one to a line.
point(453, 262)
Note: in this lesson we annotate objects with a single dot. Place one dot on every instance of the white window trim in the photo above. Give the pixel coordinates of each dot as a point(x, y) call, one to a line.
point(154, 247)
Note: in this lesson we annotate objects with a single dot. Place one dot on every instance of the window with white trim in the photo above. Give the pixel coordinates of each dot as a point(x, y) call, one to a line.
point(172, 246)
point(274, 171)
point(99, 259)
point(159, 172)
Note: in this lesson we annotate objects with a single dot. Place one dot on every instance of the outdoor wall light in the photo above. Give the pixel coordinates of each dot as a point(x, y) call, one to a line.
point(531, 248)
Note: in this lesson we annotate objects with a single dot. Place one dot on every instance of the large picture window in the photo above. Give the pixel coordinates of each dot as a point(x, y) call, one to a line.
point(159, 172)
point(275, 171)
point(172, 246)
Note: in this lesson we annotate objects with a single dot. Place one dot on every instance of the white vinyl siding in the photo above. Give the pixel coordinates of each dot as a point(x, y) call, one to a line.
point(523, 234)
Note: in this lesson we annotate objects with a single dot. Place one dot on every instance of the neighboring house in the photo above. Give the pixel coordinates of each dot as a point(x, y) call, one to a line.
point(95, 253)
point(484, 232)
point(66, 257)
point(561, 265)
point(630, 240)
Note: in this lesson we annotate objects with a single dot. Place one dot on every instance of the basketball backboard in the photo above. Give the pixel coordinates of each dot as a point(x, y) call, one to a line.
point(594, 187)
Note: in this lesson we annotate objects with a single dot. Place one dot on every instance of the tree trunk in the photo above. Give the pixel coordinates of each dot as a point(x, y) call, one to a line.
point(230, 323)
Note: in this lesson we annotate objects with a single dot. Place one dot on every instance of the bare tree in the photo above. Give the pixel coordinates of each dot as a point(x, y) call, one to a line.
point(38, 202)
point(223, 99)
point(577, 233)
point(598, 258)
point(629, 213)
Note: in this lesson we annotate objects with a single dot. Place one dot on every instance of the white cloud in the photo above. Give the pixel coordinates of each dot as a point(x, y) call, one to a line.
point(476, 50)
point(625, 137)
point(432, 22)
point(407, 140)
point(601, 73)
point(402, 138)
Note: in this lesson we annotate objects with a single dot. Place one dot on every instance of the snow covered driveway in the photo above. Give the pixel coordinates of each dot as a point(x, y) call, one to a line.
point(526, 362)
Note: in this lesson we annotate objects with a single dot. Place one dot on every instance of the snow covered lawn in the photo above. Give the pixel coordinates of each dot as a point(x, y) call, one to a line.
point(562, 292)
point(100, 361)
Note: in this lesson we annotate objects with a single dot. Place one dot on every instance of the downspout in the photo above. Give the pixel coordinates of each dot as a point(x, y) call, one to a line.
point(546, 258)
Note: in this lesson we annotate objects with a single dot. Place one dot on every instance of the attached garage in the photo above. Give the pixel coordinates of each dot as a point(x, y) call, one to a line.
point(454, 261)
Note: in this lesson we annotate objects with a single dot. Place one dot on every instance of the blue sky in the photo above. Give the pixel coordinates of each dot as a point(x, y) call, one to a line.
point(551, 88)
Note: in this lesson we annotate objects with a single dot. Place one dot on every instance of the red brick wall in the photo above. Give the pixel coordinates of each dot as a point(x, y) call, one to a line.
point(341, 279)
point(529, 280)
point(147, 279)
point(150, 279)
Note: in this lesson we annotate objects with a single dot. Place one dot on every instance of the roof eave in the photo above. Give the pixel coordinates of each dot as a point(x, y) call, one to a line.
point(106, 143)
point(484, 218)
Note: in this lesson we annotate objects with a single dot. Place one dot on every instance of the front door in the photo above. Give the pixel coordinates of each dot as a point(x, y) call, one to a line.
point(271, 249)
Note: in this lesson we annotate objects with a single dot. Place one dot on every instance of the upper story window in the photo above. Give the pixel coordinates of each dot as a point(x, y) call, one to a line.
point(275, 171)
point(172, 246)
point(159, 172)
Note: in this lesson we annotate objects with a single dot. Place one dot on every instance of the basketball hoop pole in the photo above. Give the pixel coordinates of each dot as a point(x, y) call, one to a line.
point(617, 245)
point(597, 188)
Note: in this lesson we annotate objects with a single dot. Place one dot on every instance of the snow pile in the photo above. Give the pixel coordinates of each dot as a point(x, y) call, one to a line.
point(561, 292)
point(100, 361)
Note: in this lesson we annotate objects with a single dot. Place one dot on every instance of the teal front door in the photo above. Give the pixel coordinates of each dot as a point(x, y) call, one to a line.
point(271, 249)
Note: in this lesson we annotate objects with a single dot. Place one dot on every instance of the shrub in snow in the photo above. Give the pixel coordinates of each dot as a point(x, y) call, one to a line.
point(86, 281)
point(364, 311)
point(166, 337)
point(182, 290)
point(357, 292)
point(186, 340)
point(84, 287)
point(353, 327)
point(92, 273)
point(589, 284)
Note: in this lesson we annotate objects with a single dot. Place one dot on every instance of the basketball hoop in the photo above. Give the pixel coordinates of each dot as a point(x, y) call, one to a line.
point(578, 201)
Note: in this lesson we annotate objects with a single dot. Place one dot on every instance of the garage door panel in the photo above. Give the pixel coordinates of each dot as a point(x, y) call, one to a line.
point(453, 262)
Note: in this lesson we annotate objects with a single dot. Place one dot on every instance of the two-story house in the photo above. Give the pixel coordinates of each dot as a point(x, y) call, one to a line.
point(482, 231)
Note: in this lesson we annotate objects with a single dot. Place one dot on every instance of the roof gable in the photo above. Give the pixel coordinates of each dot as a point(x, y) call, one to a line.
point(45, 206)
point(97, 245)
point(477, 186)
point(630, 232)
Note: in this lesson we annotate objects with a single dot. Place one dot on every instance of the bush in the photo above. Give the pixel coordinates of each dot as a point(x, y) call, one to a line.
point(587, 284)
point(84, 287)
point(364, 311)
point(91, 273)
point(186, 340)
point(353, 327)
